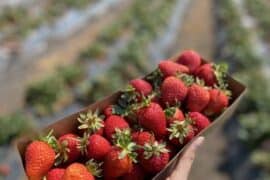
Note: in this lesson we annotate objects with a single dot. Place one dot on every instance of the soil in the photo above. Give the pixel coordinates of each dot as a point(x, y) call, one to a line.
point(17, 78)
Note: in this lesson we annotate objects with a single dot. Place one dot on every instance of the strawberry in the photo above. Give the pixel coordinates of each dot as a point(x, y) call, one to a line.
point(91, 122)
point(153, 118)
point(180, 132)
point(142, 137)
point(199, 121)
point(117, 163)
point(113, 122)
point(141, 86)
point(154, 158)
point(108, 111)
point(119, 160)
point(173, 91)
point(77, 171)
point(198, 97)
point(67, 149)
point(55, 174)
point(206, 72)
point(39, 158)
point(170, 68)
point(136, 173)
point(191, 59)
point(213, 75)
point(218, 102)
point(95, 146)
point(173, 114)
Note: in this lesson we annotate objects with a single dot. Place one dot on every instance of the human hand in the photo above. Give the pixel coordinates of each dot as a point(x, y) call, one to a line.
point(183, 167)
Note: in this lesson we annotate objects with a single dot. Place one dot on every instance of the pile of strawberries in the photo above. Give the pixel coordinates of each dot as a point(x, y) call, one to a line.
point(136, 137)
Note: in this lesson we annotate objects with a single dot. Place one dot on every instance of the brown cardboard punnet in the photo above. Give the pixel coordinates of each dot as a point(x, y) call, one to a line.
point(69, 123)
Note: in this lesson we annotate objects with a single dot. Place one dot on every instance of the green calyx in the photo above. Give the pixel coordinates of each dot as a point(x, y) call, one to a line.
point(128, 109)
point(156, 78)
point(123, 140)
point(50, 139)
point(94, 167)
point(61, 153)
point(90, 121)
point(179, 130)
point(154, 149)
point(220, 71)
point(187, 79)
point(83, 143)
point(170, 111)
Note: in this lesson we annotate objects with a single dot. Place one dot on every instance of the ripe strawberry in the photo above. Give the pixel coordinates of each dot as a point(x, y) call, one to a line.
point(191, 59)
point(108, 111)
point(117, 163)
point(142, 137)
point(141, 86)
point(91, 122)
point(77, 171)
point(170, 68)
point(136, 173)
point(173, 114)
point(218, 102)
point(55, 174)
point(113, 122)
point(153, 118)
point(206, 72)
point(198, 97)
point(180, 132)
point(39, 158)
point(173, 91)
point(67, 149)
point(155, 157)
point(95, 146)
point(199, 121)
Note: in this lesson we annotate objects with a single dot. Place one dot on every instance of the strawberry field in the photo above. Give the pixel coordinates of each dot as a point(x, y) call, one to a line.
point(129, 46)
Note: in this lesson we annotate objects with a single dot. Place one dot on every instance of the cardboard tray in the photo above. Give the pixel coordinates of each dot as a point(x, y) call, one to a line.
point(70, 123)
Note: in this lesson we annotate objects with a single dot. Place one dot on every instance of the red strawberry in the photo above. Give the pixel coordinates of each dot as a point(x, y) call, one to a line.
point(95, 146)
point(199, 121)
point(142, 137)
point(141, 86)
point(113, 122)
point(153, 118)
point(191, 59)
point(180, 132)
point(155, 157)
point(173, 91)
point(206, 72)
point(108, 111)
point(136, 173)
point(39, 158)
point(77, 171)
point(55, 174)
point(91, 122)
point(68, 150)
point(116, 163)
point(173, 114)
point(198, 97)
point(218, 102)
point(170, 68)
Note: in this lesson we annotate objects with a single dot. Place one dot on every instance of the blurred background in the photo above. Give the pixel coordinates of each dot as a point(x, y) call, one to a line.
point(57, 56)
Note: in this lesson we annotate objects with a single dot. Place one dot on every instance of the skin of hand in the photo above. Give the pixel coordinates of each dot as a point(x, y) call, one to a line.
point(183, 167)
